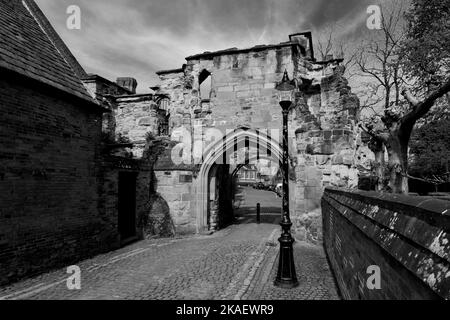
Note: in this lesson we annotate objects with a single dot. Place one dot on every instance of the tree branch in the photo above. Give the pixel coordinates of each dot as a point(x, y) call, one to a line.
point(420, 108)
point(412, 100)
point(382, 137)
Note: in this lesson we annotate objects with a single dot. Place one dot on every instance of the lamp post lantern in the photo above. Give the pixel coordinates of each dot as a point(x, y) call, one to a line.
point(286, 276)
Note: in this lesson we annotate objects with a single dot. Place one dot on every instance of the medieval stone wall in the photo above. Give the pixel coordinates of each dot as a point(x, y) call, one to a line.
point(242, 91)
point(326, 145)
point(100, 87)
point(176, 189)
point(135, 118)
point(322, 123)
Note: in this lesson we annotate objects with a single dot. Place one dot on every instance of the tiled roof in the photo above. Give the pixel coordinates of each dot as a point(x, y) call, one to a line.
point(27, 49)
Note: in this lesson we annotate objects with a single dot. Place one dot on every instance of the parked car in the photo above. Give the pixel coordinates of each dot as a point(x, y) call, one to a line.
point(279, 189)
point(258, 185)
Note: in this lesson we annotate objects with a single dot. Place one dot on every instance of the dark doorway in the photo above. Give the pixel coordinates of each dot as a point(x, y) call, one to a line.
point(127, 206)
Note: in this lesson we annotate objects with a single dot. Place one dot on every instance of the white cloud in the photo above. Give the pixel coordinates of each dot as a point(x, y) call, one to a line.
point(138, 37)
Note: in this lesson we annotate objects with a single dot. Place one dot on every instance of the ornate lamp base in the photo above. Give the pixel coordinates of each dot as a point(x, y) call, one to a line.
point(286, 276)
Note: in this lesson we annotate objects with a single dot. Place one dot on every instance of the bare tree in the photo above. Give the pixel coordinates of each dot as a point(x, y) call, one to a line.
point(330, 46)
point(379, 61)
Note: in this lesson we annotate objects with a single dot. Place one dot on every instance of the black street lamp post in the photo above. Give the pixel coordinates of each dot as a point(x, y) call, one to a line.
point(286, 276)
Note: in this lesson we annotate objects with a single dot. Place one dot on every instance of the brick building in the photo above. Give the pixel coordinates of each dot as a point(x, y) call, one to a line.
point(66, 192)
point(248, 175)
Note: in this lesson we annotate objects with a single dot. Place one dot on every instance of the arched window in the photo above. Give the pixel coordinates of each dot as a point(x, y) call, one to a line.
point(164, 105)
point(204, 80)
point(163, 127)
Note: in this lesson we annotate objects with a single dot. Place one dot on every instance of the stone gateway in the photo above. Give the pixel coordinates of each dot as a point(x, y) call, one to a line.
point(222, 106)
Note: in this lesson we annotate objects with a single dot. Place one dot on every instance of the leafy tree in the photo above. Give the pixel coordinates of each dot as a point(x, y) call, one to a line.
point(426, 55)
point(427, 52)
point(430, 152)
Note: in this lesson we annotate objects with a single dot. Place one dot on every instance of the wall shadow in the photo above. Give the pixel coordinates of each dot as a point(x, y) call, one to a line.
point(269, 215)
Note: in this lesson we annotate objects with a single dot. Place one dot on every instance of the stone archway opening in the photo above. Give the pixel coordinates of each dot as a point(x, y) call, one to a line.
point(220, 197)
point(219, 172)
point(256, 187)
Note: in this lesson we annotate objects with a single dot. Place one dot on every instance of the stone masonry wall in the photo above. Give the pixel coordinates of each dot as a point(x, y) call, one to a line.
point(242, 94)
point(326, 145)
point(242, 91)
point(49, 197)
point(407, 237)
point(175, 187)
point(135, 117)
point(322, 124)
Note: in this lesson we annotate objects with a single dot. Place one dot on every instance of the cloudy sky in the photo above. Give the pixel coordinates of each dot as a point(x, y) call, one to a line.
point(138, 37)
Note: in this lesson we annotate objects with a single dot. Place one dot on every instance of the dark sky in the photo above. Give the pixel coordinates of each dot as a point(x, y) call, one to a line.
point(138, 37)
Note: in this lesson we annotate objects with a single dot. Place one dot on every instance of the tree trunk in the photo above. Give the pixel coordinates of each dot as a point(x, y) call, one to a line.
point(379, 169)
point(397, 148)
point(377, 147)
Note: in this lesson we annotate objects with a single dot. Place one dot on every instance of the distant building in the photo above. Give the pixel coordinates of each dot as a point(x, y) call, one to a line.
point(267, 170)
point(248, 175)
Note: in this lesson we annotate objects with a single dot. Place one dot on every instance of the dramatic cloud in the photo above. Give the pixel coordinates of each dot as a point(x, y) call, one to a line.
point(138, 37)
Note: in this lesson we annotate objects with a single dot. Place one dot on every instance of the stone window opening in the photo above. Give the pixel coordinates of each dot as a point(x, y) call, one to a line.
point(235, 63)
point(164, 116)
point(164, 105)
point(163, 127)
point(205, 83)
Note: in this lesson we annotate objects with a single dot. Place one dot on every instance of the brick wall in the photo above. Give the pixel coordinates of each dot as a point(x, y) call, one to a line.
point(406, 237)
point(49, 181)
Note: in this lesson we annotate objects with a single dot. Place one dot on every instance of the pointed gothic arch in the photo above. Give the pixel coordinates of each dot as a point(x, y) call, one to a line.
point(214, 154)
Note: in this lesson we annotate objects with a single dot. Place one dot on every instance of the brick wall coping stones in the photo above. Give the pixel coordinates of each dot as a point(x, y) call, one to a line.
point(414, 230)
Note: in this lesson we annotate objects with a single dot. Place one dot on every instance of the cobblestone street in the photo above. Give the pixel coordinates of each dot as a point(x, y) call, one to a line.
point(238, 262)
